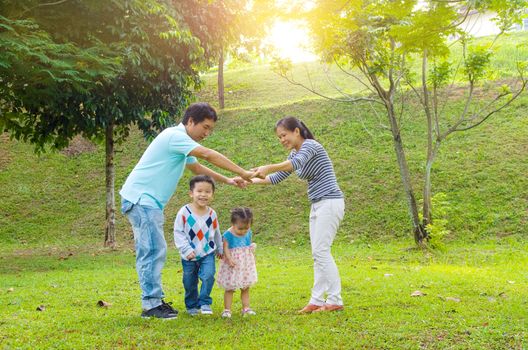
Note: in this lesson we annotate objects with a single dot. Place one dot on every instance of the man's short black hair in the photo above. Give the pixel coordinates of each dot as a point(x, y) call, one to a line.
point(198, 112)
point(201, 178)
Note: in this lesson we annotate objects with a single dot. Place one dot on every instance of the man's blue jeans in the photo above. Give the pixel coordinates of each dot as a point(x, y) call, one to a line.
point(151, 250)
point(192, 270)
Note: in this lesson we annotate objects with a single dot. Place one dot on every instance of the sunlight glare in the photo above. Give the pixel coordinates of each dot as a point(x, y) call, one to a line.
point(290, 40)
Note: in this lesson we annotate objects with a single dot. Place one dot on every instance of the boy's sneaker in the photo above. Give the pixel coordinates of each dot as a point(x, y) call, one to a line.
point(248, 312)
point(226, 314)
point(193, 312)
point(206, 310)
point(164, 311)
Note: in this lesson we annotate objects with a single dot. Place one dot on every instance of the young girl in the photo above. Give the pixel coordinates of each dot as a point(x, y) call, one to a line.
point(237, 269)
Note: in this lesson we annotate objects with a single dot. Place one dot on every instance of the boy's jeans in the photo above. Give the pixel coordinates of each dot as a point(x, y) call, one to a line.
point(151, 250)
point(192, 270)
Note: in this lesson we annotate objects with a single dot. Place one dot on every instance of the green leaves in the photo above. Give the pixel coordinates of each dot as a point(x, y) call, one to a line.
point(476, 62)
point(75, 67)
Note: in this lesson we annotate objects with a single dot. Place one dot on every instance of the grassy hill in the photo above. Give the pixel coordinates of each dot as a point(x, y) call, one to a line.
point(58, 199)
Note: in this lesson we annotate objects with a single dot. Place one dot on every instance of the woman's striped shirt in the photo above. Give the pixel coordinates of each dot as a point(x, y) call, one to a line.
point(312, 163)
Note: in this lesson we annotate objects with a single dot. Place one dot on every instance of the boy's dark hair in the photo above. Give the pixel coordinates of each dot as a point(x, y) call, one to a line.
point(198, 112)
point(201, 178)
point(241, 215)
point(292, 123)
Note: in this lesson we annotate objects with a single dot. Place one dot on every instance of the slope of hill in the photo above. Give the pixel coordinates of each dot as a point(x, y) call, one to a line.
point(58, 199)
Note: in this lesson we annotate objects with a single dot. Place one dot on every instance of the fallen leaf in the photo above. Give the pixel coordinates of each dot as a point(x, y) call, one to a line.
point(10, 290)
point(102, 303)
point(511, 282)
point(374, 267)
point(456, 300)
point(418, 293)
point(41, 308)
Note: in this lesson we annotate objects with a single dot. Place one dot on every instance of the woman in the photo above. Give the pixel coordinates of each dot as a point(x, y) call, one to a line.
point(310, 162)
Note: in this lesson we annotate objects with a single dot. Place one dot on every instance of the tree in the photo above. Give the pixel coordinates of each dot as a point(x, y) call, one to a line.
point(234, 25)
point(96, 69)
point(376, 43)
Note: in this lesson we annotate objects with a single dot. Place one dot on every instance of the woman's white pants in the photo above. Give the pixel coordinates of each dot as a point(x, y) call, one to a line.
point(325, 217)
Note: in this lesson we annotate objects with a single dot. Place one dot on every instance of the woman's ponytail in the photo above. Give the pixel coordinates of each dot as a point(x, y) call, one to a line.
point(292, 123)
point(306, 133)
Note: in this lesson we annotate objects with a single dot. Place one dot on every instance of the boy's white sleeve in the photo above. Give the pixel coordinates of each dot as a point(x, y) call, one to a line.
point(180, 237)
point(218, 241)
point(218, 238)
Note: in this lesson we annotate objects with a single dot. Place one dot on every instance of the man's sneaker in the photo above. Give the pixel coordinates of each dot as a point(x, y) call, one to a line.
point(164, 311)
point(193, 312)
point(169, 307)
point(226, 314)
point(248, 312)
point(206, 310)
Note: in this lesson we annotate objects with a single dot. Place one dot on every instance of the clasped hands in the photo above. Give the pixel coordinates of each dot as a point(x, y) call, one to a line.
point(255, 173)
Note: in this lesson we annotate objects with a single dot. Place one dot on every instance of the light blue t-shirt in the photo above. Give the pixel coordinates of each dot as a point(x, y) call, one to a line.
point(156, 175)
point(234, 241)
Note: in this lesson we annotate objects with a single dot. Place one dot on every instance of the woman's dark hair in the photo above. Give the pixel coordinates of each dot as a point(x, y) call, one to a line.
point(292, 123)
point(241, 215)
point(201, 178)
point(198, 112)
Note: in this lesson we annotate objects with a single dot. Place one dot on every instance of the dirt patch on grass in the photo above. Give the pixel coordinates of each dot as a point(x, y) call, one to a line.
point(78, 146)
point(5, 156)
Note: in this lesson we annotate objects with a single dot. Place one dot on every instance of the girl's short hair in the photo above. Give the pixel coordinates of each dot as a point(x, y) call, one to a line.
point(201, 178)
point(244, 215)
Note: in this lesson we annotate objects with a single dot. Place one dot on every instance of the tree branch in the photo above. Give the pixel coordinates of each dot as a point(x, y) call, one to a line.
point(42, 5)
point(356, 99)
point(353, 76)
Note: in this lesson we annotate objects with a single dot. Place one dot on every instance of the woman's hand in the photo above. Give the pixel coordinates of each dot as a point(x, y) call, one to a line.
point(261, 171)
point(191, 256)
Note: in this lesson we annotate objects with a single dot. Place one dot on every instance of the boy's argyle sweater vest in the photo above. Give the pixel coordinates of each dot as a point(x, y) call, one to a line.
point(201, 232)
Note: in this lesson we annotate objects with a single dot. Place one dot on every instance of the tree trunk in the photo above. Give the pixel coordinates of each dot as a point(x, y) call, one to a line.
point(418, 229)
point(110, 177)
point(427, 205)
point(221, 96)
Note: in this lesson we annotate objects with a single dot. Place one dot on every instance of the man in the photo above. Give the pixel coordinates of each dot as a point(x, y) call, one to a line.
point(151, 184)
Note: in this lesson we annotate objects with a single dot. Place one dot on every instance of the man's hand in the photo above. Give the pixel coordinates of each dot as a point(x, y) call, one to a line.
point(191, 256)
point(247, 175)
point(238, 182)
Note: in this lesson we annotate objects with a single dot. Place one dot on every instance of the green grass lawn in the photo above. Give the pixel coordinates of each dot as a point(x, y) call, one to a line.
point(475, 298)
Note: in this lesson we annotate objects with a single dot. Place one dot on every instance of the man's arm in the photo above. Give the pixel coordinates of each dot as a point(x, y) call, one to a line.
point(220, 161)
point(199, 169)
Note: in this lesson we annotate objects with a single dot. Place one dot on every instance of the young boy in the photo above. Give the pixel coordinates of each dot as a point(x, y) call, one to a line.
point(197, 237)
